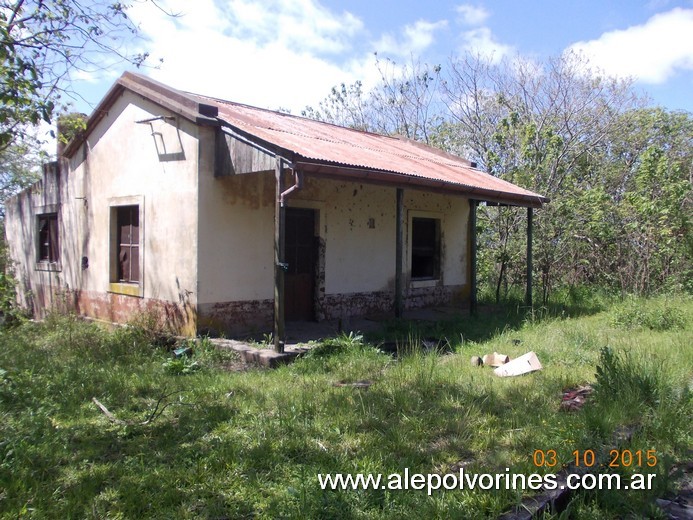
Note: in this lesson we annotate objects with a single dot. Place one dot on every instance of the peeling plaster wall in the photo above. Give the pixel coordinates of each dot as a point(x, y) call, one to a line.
point(357, 227)
point(21, 229)
point(358, 258)
point(356, 264)
point(152, 164)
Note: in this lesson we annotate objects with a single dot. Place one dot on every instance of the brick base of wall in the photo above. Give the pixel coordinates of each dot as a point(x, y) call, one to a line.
point(172, 317)
point(255, 317)
point(242, 318)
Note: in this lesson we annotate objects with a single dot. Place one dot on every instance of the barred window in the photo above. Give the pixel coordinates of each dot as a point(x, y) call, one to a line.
point(425, 250)
point(128, 244)
point(48, 238)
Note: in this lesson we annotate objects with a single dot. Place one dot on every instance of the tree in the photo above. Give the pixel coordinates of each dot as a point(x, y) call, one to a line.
point(651, 178)
point(43, 42)
point(534, 124)
point(618, 173)
point(404, 102)
point(20, 164)
point(344, 106)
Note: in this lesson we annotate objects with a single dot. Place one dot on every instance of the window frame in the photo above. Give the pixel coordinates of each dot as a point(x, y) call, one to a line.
point(51, 260)
point(437, 277)
point(51, 214)
point(128, 241)
point(117, 284)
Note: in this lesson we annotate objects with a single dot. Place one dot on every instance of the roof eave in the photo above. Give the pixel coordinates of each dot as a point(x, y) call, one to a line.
point(173, 100)
point(393, 179)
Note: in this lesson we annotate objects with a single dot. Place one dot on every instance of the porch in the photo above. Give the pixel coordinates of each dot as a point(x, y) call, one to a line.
point(302, 335)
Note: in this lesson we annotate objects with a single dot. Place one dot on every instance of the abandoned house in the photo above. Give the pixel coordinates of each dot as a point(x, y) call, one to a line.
point(229, 218)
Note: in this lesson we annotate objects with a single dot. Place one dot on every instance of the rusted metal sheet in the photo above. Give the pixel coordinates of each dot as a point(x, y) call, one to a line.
point(322, 147)
point(318, 148)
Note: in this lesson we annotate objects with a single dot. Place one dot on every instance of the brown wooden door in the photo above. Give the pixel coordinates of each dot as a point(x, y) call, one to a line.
point(300, 255)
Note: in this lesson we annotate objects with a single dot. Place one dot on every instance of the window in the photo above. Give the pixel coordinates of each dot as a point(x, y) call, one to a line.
point(425, 249)
point(128, 244)
point(48, 239)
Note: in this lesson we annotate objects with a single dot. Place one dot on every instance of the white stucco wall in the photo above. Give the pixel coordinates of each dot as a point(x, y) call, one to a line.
point(122, 161)
point(358, 226)
point(236, 237)
point(126, 159)
point(237, 234)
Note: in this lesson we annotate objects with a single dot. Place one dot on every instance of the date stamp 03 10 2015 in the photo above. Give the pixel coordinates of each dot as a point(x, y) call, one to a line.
point(623, 458)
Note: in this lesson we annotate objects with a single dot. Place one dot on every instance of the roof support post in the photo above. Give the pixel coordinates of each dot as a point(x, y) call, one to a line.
point(279, 264)
point(528, 294)
point(472, 257)
point(399, 254)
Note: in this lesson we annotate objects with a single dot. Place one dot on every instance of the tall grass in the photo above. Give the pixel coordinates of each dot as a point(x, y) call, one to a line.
point(250, 443)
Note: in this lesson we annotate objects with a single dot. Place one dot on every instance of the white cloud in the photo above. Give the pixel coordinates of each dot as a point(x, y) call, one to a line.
point(301, 25)
point(270, 53)
point(415, 39)
point(652, 52)
point(472, 15)
point(481, 41)
point(476, 37)
point(420, 36)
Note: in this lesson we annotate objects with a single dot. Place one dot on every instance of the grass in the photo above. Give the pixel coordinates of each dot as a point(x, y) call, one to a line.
point(249, 444)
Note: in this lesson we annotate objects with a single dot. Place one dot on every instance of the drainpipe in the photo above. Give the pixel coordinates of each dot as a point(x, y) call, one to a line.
point(298, 184)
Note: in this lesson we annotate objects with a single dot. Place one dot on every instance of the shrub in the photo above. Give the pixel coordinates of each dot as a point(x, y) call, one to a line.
point(339, 344)
point(657, 315)
point(181, 366)
point(619, 376)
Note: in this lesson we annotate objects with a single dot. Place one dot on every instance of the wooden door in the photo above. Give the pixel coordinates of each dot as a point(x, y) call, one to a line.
point(300, 255)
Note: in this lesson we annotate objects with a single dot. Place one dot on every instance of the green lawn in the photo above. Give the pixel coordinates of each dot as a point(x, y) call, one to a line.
point(250, 444)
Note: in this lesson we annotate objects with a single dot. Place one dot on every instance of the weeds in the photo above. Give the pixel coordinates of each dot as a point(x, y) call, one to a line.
point(339, 344)
point(655, 314)
point(181, 366)
point(619, 376)
point(250, 444)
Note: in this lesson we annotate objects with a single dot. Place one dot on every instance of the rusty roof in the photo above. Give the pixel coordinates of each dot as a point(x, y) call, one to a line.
point(325, 149)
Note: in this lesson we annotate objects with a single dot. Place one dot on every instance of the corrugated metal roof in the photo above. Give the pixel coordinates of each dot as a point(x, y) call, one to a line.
point(329, 144)
point(322, 148)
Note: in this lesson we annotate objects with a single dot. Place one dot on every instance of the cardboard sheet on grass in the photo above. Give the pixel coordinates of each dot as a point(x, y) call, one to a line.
point(525, 364)
point(495, 359)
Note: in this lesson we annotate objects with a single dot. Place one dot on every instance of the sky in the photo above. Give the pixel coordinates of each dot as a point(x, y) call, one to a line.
point(289, 53)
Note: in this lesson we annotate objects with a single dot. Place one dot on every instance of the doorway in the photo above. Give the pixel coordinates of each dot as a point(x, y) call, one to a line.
point(300, 254)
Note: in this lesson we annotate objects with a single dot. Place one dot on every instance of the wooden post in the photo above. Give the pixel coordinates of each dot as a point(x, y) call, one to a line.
point(472, 257)
point(279, 238)
point(399, 254)
point(528, 295)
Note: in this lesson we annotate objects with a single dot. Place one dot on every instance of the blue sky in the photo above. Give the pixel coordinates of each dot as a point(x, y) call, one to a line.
point(289, 53)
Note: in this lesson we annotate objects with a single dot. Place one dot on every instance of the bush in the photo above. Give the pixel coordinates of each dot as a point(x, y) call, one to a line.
point(619, 376)
point(657, 315)
point(181, 366)
point(332, 346)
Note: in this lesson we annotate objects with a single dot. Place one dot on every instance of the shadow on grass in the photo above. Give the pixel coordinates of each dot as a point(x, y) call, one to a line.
point(490, 320)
